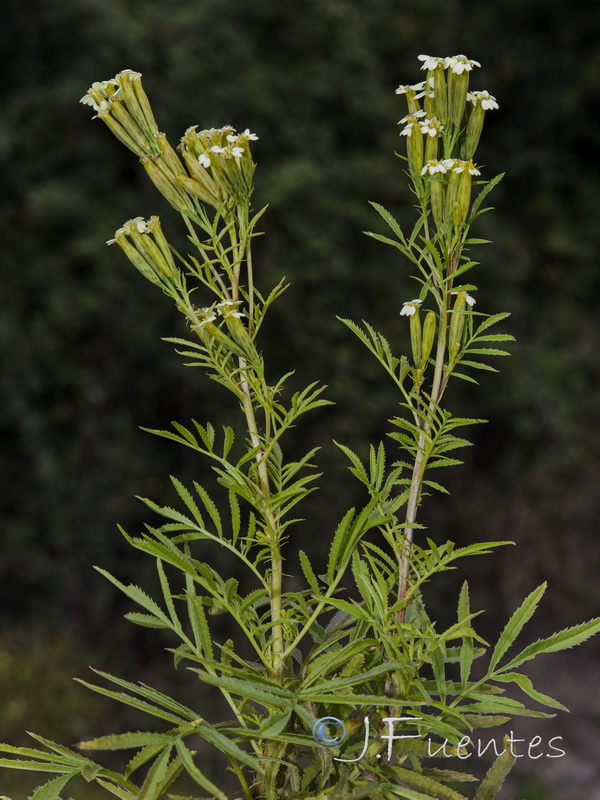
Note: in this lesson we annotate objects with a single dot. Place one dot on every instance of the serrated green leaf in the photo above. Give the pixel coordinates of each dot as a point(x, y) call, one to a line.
point(515, 624)
point(563, 640)
point(51, 789)
point(156, 775)
point(466, 650)
point(195, 773)
point(434, 788)
point(274, 724)
point(124, 741)
point(308, 572)
point(524, 683)
point(118, 791)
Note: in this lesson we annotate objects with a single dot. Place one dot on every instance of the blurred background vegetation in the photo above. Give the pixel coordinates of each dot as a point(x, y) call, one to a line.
point(83, 364)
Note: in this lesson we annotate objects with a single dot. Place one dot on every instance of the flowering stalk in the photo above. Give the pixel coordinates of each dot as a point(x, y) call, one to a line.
point(443, 188)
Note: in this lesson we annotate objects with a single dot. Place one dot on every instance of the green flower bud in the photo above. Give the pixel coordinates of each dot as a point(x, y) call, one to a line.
point(440, 91)
point(167, 185)
point(415, 336)
point(457, 324)
point(458, 86)
point(473, 132)
point(437, 200)
point(463, 197)
point(482, 102)
point(119, 131)
point(146, 142)
point(428, 336)
point(414, 143)
point(168, 156)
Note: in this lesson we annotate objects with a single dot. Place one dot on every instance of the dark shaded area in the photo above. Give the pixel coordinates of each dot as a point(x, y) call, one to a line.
point(82, 361)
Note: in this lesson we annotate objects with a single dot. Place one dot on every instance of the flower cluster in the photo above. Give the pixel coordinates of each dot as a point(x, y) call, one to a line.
point(145, 245)
point(450, 121)
point(457, 64)
point(219, 163)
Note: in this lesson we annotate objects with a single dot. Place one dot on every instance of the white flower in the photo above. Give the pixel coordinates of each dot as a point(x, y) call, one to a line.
point(461, 166)
point(449, 163)
point(419, 113)
point(409, 308)
point(432, 62)
point(251, 136)
point(434, 166)
point(204, 159)
point(405, 89)
point(459, 64)
point(237, 152)
point(470, 300)
point(216, 149)
point(232, 137)
point(407, 131)
point(484, 98)
point(432, 127)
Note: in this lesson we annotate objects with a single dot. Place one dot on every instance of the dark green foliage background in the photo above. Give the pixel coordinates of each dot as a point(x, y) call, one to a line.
point(82, 361)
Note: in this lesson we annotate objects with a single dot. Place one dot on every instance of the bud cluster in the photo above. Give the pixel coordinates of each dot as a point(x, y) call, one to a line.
point(145, 246)
point(448, 128)
point(219, 163)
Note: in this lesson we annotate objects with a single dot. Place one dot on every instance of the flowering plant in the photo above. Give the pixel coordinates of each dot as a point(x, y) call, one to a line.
point(305, 669)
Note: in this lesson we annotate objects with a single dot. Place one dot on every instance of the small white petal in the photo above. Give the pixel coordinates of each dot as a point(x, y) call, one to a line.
point(204, 159)
point(216, 149)
point(471, 300)
point(237, 152)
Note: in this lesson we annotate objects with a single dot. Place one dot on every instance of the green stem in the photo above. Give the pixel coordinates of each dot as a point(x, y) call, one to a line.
point(420, 465)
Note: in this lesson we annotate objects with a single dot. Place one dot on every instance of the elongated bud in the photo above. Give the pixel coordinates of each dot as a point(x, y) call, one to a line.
point(165, 258)
point(452, 188)
point(457, 323)
point(168, 156)
point(481, 102)
point(138, 260)
point(415, 336)
point(440, 92)
point(414, 147)
point(473, 132)
point(428, 336)
point(166, 184)
point(119, 131)
point(432, 129)
point(463, 197)
point(437, 200)
point(145, 141)
point(429, 100)
point(458, 86)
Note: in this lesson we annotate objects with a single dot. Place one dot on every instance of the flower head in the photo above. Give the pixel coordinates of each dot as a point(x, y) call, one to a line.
point(432, 127)
point(410, 307)
point(413, 116)
point(408, 89)
point(433, 62)
point(468, 166)
point(459, 64)
point(434, 166)
point(484, 99)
